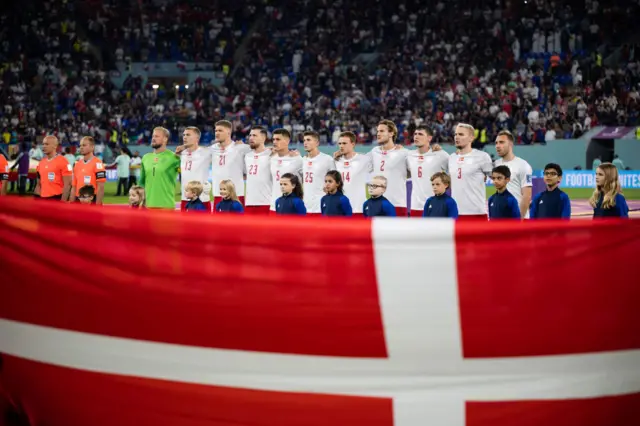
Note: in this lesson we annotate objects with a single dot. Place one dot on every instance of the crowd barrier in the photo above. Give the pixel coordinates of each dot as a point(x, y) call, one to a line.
point(112, 316)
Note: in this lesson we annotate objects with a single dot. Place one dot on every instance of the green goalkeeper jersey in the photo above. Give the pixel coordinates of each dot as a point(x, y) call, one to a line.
point(158, 177)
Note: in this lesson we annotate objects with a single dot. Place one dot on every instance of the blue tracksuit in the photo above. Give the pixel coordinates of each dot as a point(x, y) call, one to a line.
point(335, 205)
point(550, 204)
point(440, 206)
point(379, 206)
point(290, 204)
point(195, 205)
point(621, 209)
point(229, 206)
point(503, 205)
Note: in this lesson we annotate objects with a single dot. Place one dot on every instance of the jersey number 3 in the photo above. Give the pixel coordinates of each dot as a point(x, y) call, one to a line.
point(459, 173)
point(253, 169)
point(187, 165)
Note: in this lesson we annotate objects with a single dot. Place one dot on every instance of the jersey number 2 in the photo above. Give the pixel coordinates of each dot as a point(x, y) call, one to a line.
point(253, 169)
point(308, 177)
point(222, 160)
point(382, 166)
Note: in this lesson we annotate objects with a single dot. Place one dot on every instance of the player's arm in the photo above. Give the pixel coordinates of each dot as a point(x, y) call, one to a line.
point(4, 178)
point(101, 178)
point(72, 195)
point(66, 190)
point(346, 206)
point(179, 150)
point(66, 171)
point(526, 200)
point(100, 193)
point(487, 166)
point(452, 208)
point(566, 207)
point(37, 189)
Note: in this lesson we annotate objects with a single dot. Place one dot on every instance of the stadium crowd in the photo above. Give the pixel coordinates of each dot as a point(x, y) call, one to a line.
point(535, 68)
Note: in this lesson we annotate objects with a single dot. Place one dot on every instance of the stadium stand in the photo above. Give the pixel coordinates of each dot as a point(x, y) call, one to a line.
point(533, 67)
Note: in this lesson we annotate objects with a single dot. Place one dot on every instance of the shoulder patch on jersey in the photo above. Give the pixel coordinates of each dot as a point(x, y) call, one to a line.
point(529, 178)
point(99, 166)
point(69, 168)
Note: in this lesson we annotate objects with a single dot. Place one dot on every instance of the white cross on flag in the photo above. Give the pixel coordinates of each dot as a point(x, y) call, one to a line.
point(118, 317)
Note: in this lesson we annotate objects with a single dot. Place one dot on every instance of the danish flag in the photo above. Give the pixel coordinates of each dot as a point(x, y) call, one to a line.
point(390, 322)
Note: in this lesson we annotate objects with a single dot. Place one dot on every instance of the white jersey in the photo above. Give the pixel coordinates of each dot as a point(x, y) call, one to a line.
point(257, 169)
point(313, 172)
point(356, 172)
point(228, 163)
point(422, 167)
point(279, 166)
point(392, 165)
point(196, 165)
point(521, 177)
point(468, 188)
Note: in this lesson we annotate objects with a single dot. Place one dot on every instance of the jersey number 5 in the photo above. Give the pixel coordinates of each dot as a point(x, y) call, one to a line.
point(459, 173)
point(382, 166)
point(308, 177)
point(253, 169)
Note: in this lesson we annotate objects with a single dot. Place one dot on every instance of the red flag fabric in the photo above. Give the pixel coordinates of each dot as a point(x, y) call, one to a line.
point(117, 316)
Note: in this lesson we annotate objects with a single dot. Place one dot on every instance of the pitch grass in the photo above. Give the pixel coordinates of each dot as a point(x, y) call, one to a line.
point(574, 193)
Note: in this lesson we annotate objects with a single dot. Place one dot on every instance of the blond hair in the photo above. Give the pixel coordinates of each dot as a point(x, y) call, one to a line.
point(392, 128)
point(231, 189)
point(382, 178)
point(139, 191)
point(468, 127)
point(609, 189)
point(194, 129)
point(164, 130)
point(443, 177)
point(506, 133)
point(194, 186)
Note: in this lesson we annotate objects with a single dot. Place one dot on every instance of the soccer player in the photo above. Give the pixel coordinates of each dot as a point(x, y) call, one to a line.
point(392, 164)
point(469, 169)
point(227, 160)
point(440, 204)
point(423, 163)
point(259, 185)
point(54, 172)
point(607, 200)
point(378, 205)
point(282, 163)
point(159, 172)
point(552, 203)
point(335, 203)
point(292, 194)
point(88, 171)
point(314, 169)
point(355, 169)
point(4, 175)
point(195, 165)
point(502, 204)
point(521, 173)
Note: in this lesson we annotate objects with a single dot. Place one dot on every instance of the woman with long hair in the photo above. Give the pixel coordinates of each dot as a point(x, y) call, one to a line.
point(607, 199)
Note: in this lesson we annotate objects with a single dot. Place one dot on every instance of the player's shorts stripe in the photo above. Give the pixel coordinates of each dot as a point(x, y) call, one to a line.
point(271, 288)
point(543, 292)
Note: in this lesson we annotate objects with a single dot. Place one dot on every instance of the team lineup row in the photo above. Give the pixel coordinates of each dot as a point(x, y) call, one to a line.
point(256, 173)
